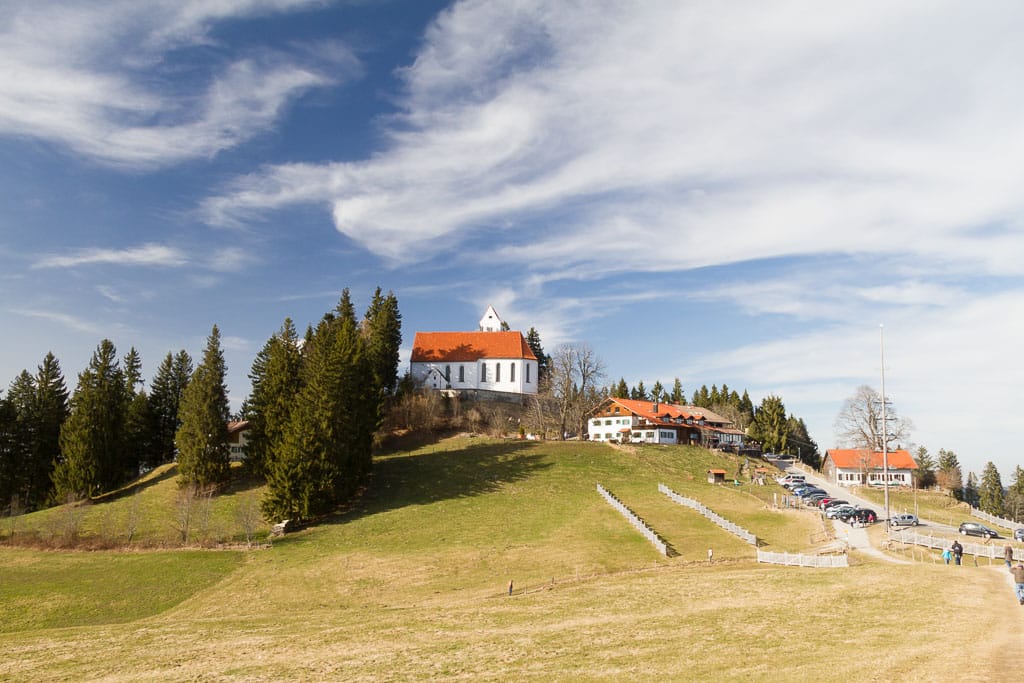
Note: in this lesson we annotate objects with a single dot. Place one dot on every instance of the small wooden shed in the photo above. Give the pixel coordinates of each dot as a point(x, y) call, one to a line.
point(716, 476)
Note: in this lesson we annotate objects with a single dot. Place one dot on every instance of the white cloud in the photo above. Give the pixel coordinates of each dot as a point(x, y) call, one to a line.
point(96, 77)
point(146, 255)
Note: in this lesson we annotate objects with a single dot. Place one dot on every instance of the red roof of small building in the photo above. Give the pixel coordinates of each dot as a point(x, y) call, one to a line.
point(665, 412)
point(855, 458)
point(465, 347)
point(237, 426)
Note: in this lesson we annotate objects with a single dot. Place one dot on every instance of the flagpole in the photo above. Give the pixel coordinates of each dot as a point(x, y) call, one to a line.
point(885, 432)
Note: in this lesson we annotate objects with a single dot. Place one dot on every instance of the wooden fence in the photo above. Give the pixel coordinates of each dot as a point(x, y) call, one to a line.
point(634, 519)
point(992, 519)
point(795, 560)
point(710, 514)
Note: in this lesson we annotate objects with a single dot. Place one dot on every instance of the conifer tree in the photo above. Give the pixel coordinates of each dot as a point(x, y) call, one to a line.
point(701, 397)
point(10, 455)
point(202, 439)
point(657, 391)
point(990, 493)
point(771, 426)
point(382, 333)
point(949, 475)
point(924, 476)
point(678, 395)
point(172, 376)
point(51, 410)
point(21, 402)
point(275, 377)
point(1015, 495)
point(747, 407)
point(621, 389)
point(970, 495)
point(543, 360)
point(92, 438)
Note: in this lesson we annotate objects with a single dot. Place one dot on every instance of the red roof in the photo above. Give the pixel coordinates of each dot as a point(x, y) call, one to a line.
point(855, 458)
point(464, 347)
point(237, 426)
point(666, 412)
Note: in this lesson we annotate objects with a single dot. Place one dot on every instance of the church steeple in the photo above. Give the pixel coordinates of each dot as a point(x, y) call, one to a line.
point(491, 322)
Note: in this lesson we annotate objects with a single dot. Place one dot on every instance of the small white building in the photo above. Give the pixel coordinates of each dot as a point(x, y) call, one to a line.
point(238, 431)
point(491, 359)
point(861, 467)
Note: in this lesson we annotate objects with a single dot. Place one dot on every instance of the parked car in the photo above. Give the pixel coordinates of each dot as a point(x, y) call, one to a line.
point(975, 529)
point(806, 490)
point(832, 502)
point(1018, 535)
point(904, 520)
point(837, 511)
point(861, 516)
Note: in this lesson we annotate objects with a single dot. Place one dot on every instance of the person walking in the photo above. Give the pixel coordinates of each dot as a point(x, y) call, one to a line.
point(958, 552)
point(947, 555)
point(1018, 578)
point(1008, 556)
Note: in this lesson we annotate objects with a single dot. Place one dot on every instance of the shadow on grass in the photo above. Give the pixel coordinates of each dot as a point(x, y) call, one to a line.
point(446, 474)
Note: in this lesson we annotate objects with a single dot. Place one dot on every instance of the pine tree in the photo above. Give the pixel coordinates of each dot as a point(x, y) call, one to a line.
point(621, 389)
point(92, 439)
point(747, 407)
point(132, 370)
point(10, 456)
point(799, 439)
point(639, 393)
point(970, 494)
point(382, 330)
point(202, 439)
point(275, 377)
point(701, 397)
point(1015, 495)
point(22, 399)
point(657, 391)
point(924, 476)
point(678, 395)
point(714, 398)
point(543, 360)
point(949, 475)
point(771, 426)
point(990, 494)
point(51, 411)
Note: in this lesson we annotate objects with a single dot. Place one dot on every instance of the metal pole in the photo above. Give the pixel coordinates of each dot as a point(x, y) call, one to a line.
point(885, 429)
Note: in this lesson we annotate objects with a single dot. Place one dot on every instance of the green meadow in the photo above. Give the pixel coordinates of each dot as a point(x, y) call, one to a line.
point(412, 583)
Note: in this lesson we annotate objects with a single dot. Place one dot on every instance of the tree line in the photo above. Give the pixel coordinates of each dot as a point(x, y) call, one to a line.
point(314, 408)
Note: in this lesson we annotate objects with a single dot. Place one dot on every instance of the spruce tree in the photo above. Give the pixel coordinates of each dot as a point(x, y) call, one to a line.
point(771, 425)
point(621, 389)
point(51, 410)
point(92, 439)
point(202, 440)
point(678, 395)
point(990, 493)
point(924, 476)
point(275, 377)
point(658, 391)
point(22, 399)
point(970, 494)
point(543, 360)
point(10, 456)
point(1015, 495)
point(382, 332)
point(949, 475)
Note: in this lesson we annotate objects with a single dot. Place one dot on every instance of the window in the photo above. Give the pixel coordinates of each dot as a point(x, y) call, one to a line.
point(512, 372)
point(527, 373)
point(497, 372)
point(483, 372)
point(447, 373)
point(607, 422)
point(462, 373)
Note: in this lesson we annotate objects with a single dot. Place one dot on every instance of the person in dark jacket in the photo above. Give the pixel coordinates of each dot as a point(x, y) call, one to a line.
point(1008, 556)
point(1018, 579)
point(958, 551)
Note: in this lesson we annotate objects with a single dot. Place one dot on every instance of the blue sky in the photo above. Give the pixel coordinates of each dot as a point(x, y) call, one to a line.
point(720, 192)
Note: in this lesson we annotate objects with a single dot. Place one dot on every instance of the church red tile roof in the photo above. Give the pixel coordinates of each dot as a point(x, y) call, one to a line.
point(852, 458)
point(467, 347)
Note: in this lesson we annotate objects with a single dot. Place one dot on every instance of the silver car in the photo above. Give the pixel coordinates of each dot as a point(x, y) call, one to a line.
point(904, 520)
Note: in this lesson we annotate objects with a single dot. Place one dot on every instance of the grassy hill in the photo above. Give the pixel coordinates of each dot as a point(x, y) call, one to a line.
point(411, 584)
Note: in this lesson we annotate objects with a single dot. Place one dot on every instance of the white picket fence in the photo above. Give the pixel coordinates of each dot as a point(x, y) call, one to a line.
point(635, 520)
point(992, 551)
point(992, 519)
point(710, 514)
point(794, 560)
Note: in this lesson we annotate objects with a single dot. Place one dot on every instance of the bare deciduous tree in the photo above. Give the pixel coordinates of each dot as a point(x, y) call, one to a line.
point(575, 373)
point(248, 515)
point(859, 423)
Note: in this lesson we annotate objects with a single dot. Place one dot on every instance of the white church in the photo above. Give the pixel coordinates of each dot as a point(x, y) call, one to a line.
point(490, 359)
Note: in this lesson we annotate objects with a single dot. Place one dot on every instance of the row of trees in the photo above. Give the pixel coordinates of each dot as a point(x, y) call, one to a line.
point(316, 404)
point(53, 447)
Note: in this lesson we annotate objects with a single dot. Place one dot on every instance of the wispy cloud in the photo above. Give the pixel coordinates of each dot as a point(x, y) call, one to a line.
point(71, 322)
point(698, 128)
point(101, 78)
point(145, 255)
